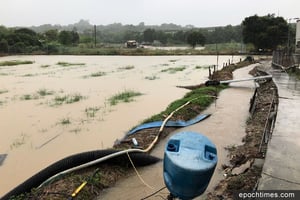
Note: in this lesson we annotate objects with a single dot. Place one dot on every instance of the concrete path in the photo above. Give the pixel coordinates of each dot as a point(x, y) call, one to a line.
point(281, 170)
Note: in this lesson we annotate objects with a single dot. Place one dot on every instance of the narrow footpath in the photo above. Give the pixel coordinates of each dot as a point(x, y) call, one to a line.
point(281, 170)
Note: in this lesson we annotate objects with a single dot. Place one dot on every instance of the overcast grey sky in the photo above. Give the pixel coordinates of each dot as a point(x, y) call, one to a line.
point(200, 13)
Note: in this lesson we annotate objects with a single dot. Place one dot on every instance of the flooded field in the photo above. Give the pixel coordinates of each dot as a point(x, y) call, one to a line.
point(60, 105)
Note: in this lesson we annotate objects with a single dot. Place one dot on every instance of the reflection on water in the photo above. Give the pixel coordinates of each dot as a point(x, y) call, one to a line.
point(285, 81)
point(37, 131)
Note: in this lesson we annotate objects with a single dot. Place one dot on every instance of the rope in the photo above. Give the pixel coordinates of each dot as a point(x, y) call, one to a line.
point(137, 173)
point(117, 153)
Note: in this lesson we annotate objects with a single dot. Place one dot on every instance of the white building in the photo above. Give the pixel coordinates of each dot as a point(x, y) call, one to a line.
point(298, 37)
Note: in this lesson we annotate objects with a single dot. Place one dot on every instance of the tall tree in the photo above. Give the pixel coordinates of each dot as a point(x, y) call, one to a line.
point(266, 32)
point(194, 38)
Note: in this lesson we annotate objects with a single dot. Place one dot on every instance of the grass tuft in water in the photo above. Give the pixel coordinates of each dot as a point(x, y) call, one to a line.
point(67, 99)
point(3, 91)
point(151, 78)
point(65, 121)
point(91, 111)
point(96, 74)
point(67, 64)
point(15, 62)
point(44, 92)
point(128, 67)
point(126, 96)
point(45, 66)
point(173, 70)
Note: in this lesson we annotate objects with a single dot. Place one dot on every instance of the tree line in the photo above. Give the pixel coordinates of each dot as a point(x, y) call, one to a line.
point(264, 32)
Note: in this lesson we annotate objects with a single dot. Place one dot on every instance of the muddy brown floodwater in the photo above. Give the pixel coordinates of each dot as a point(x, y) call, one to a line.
point(35, 132)
point(226, 127)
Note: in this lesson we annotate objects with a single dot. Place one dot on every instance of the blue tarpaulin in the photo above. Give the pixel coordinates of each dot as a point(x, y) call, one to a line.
point(178, 123)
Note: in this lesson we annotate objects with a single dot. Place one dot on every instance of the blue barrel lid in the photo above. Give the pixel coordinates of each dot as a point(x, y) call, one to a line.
point(191, 150)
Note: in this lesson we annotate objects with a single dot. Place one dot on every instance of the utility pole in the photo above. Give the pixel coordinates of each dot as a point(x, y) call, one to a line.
point(95, 35)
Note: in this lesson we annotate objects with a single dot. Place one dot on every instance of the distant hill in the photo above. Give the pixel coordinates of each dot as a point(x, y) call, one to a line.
point(84, 25)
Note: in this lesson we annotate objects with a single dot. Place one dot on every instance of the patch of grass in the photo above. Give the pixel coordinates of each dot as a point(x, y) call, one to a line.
point(29, 97)
point(45, 66)
point(76, 130)
point(126, 96)
point(44, 92)
point(67, 99)
point(200, 99)
point(67, 64)
point(29, 75)
point(64, 121)
point(3, 91)
point(153, 77)
point(202, 67)
point(96, 74)
point(15, 62)
point(173, 70)
point(19, 141)
point(91, 111)
point(128, 67)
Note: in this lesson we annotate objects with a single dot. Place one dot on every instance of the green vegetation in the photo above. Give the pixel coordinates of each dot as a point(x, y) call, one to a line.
point(29, 75)
point(19, 141)
point(65, 121)
point(67, 99)
point(67, 64)
point(266, 32)
point(96, 74)
point(173, 70)
point(15, 62)
point(195, 37)
point(153, 77)
point(200, 98)
point(29, 97)
point(126, 96)
point(44, 92)
point(202, 67)
point(45, 66)
point(3, 91)
point(91, 111)
point(128, 67)
point(37, 95)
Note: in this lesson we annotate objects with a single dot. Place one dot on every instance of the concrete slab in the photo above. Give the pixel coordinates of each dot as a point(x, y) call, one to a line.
point(282, 167)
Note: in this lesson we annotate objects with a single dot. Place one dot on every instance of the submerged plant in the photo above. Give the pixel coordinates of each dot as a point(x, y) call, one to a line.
point(67, 64)
point(3, 91)
point(91, 111)
point(153, 77)
point(173, 70)
point(125, 96)
point(71, 98)
point(96, 74)
point(65, 121)
point(15, 62)
point(128, 67)
point(19, 141)
point(44, 92)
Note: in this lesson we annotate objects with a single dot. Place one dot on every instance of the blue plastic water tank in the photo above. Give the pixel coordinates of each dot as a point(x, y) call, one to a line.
point(189, 162)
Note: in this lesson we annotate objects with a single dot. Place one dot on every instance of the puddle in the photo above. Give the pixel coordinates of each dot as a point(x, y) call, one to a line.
point(36, 132)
